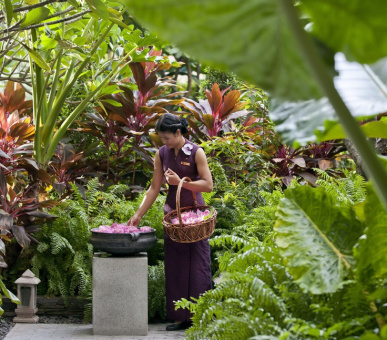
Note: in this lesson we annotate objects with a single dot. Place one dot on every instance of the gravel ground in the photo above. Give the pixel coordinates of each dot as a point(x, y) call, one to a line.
point(6, 323)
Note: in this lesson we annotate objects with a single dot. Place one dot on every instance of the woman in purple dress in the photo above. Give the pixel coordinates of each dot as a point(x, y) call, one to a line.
point(187, 265)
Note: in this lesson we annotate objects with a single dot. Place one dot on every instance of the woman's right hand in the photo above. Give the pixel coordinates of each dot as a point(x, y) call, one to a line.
point(134, 220)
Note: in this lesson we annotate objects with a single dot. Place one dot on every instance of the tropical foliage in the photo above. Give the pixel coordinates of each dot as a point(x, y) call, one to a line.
point(215, 112)
point(63, 257)
point(304, 263)
point(279, 42)
point(309, 280)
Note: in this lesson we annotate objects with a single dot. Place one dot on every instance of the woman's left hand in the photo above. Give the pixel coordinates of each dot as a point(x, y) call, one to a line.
point(172, 177)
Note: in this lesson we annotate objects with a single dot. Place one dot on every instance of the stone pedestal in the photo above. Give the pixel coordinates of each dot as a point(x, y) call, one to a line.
point(120, 295)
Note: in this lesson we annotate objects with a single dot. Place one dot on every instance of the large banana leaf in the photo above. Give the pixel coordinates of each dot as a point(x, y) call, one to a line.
point(372, 254)
point(316, 234)
point(363, 89)
point(250, 38)
point(356, 27)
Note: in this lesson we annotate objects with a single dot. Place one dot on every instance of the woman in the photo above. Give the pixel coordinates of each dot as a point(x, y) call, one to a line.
point(187, 265)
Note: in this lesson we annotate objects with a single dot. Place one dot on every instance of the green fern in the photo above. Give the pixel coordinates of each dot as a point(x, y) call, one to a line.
point(208, 197)
point(63, 259)
point(59, 243)
point(350, 189)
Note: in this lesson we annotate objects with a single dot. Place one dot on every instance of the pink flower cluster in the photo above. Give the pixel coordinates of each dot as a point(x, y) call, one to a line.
point(190, 217)
point(121, 228)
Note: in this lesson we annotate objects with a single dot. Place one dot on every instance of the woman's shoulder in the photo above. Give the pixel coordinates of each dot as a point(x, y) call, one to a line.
point(162, 151)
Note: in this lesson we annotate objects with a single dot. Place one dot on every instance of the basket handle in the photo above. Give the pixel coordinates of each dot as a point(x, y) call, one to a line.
point(178, 198)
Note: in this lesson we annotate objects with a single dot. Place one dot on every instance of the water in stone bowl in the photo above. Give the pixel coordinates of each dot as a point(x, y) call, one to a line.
point(123, 240)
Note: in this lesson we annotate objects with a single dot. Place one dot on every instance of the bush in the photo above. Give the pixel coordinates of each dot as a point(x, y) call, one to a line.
point(63, 258)
point(156, 293)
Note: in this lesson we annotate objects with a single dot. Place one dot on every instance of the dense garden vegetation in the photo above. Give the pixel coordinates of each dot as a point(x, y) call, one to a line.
point(299, 250)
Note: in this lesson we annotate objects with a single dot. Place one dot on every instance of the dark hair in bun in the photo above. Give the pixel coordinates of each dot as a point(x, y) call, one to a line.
point(171, 123)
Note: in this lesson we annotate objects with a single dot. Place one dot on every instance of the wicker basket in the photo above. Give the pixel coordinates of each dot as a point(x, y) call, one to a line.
point(188, 233)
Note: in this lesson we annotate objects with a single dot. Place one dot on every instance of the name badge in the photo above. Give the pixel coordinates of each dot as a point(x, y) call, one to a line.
point(185, 163)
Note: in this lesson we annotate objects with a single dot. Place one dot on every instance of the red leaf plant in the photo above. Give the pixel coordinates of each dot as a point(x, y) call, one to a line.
point(217, 110)
point(20, 214)
point(16, 132)
point(67, 166)
point(138, 109)
point(301, 161)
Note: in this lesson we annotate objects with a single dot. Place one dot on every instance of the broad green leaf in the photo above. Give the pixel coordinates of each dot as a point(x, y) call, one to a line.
point(372, 254)
point(334, 130)
point(35, 16)
point(8, 293)
point(316, 234)
point(38, 59)
point(73, 3)
point(354, 27)
point(383, 159)
point(47, 43)
point(361, 87)
point(110, 90)
point(98, 8)
point(80, 41)
point(112, 102)
point(250, 38)
point(8, 10)
point(375, 129)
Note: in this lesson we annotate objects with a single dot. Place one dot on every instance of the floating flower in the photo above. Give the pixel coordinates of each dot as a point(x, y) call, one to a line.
point(187, 149)
point(121, 228)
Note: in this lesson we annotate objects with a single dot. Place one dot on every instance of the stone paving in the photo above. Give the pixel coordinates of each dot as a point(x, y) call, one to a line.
point(83, 332)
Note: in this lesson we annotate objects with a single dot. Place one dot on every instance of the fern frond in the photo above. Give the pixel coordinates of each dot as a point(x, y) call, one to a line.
point(208, 197)
point(59, 243)
point(76, 195)
point(230, 240)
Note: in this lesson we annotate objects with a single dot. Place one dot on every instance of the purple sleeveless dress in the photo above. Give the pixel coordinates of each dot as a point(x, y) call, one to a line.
point(187, 265)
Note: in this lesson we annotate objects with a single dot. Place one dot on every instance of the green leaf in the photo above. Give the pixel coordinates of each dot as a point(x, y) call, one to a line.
point(112, 102)
point(8, 293)
point(80, 41)
point(251, 38)
point(361, 87)
point(73, 3)
point(8, 10)
point(354, 27)
point(372, 254)
point(35, 16)
point(35, 56)
point(47, 43)
point(316, 234)
point(334, 130)
point(98, 8)
point(376, 129)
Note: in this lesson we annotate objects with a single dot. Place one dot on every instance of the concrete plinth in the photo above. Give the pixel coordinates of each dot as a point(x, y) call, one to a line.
point(27, 315)
point(120, 295)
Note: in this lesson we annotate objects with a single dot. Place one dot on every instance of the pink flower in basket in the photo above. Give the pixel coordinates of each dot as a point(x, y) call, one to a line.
point(190, 217)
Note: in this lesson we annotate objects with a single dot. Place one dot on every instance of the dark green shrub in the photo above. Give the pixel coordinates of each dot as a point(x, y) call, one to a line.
point(63, 258)
point(156, 293)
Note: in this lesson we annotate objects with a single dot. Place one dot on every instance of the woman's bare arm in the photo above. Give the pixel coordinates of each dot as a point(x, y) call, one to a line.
point(152, 192)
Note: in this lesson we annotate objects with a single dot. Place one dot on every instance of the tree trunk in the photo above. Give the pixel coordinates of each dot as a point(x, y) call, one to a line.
point(355, 156)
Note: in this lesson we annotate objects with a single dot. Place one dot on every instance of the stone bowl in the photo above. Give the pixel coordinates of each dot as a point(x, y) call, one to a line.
point(123, 244)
